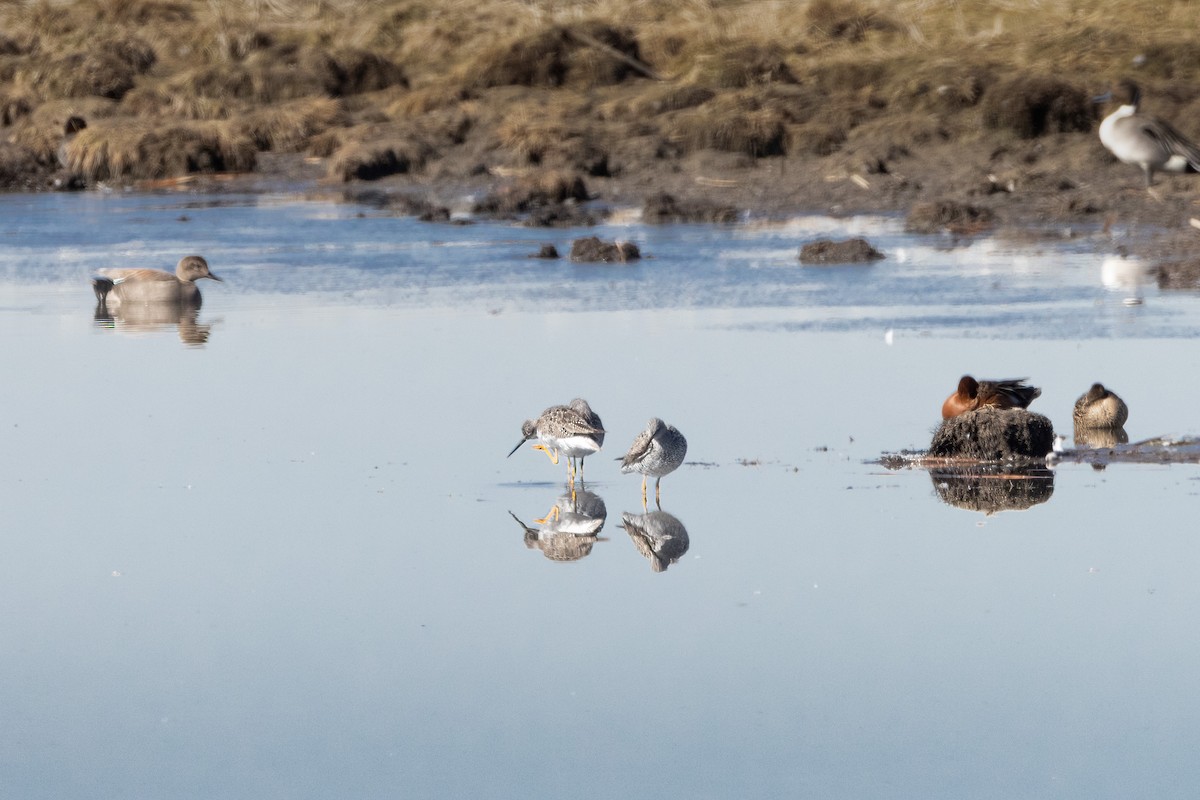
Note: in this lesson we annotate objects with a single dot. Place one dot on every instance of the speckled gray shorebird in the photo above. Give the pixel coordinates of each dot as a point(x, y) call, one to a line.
point(115, 287)
point(658, 536)
point(561, 430)
point(580, 406)
point(1144, 141)
point(1100, 408)
point(657, 451)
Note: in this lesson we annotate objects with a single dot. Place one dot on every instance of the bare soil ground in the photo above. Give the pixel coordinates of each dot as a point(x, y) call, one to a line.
point(963, 117)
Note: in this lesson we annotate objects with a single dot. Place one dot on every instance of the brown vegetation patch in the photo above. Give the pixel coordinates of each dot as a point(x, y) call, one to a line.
point(289, 126)
point(948, 215)
point(1032, 106)
point(663, 208)
point(1183, 274)
point(991, 434)
point(847, 251)
point(348, 71)
point(19, 167)
point(738, 123)
point(741, 64)
point(530, 192)
point(593, 250)
point(13, 108)
point(589, 53)
point(381, 153)
point(124, 148)
point(84, 74)
point(843, 19)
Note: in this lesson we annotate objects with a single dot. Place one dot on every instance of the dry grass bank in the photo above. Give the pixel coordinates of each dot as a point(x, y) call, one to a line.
point(897, 95)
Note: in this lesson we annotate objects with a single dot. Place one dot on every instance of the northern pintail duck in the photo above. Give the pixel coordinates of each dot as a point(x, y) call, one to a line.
point(116, 287)
point(561, 429)
point(1100, 408)
point(1147, 142)
point(973, 394)
point(657, 451)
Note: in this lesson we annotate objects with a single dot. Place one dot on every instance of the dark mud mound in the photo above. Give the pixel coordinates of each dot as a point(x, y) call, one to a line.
point(1181, 274)
point(663, 208)
point(539, 190)
point(992, 491)
point(848, 251)
point(1010, 435)
point(948, 215)
point(1032, 106)
point(593, 250)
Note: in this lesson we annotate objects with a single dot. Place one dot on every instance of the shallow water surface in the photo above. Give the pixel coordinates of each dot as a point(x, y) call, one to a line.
point(278, 551)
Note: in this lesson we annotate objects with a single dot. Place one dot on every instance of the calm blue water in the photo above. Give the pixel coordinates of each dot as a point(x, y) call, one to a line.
point(285, 563)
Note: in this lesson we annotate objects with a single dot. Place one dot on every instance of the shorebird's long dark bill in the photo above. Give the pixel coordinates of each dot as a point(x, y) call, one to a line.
point(518, 447)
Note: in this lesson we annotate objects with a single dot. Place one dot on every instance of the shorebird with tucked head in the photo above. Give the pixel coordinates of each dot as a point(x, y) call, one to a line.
point(657, 451)
point(972, 395)
point(1144, 141)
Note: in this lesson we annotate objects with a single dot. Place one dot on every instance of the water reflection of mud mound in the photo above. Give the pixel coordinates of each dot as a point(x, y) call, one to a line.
point(991, 491)
point(658, 536)
point(991, 434)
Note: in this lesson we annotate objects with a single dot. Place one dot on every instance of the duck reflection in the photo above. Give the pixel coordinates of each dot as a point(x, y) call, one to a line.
point(658, 536)
point(570, 528)
point(149, 318)
point(1100, 438)
point(993, 490)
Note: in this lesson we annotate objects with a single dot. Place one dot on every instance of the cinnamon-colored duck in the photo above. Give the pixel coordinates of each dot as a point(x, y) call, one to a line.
point(973, 394)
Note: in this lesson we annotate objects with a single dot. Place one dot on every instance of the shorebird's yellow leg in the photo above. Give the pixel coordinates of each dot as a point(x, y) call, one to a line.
point(643, 493)
point(551, 454)
point(551, 513)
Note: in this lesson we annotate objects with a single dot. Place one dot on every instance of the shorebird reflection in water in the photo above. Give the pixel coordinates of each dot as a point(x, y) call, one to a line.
point(570, 528)
point(658, 536)
point(561, 429)
point(657, 451)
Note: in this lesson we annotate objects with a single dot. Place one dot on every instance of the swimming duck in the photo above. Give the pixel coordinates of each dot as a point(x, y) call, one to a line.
point(1100, 408)
point(973, 394)
point(115, 287)
point(1147, 142)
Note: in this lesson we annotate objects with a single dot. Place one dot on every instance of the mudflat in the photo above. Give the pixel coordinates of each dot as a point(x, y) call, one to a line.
point(966, 117)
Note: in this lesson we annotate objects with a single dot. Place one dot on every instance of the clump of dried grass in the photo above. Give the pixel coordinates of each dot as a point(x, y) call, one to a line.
point(739, 64)
point(737, 123)
point(587, 53)
point(377, 151)
point(1033, 105)
point(288, 126)
point(130, 148)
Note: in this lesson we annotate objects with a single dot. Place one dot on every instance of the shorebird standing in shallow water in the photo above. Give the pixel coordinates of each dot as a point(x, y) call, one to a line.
point(657, 451)
point(973, 394)
point(581, 407)
point(1144, 141)
point(562, 429)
